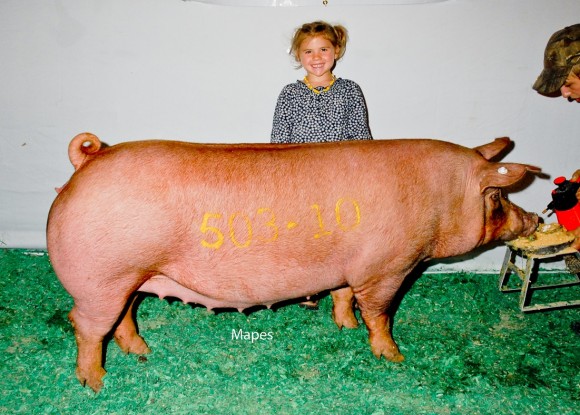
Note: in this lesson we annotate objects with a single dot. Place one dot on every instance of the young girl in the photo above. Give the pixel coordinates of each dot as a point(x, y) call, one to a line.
point(320, 107)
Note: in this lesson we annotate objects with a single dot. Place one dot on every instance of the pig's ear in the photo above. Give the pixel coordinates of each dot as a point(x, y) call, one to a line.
point(490, 150)
point(504, 174)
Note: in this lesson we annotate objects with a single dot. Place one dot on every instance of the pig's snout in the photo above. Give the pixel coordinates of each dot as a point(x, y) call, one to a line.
point(530, 224)
point(518, 223)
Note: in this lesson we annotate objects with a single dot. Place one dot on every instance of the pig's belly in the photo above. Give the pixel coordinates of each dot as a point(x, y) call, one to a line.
point(166, 287)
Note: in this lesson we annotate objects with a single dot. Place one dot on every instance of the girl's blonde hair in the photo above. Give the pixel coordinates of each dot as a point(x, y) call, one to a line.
point(337, 35)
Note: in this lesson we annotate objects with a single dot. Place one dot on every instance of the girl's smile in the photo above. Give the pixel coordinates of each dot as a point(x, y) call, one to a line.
point(317, 56)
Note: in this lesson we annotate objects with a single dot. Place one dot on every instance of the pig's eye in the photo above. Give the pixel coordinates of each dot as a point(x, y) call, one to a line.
point(495, 205)
point(495, 199)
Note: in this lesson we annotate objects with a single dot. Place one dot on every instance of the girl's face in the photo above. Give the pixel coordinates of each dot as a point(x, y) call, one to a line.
point(317, 56)
point(571, 88)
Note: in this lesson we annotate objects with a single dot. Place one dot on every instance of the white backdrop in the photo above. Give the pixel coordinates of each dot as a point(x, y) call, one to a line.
point(459, 70)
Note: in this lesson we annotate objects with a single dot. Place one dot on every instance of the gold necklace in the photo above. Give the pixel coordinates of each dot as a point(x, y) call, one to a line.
point(318, 91)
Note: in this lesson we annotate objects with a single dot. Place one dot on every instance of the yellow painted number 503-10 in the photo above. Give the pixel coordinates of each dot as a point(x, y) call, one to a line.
point(211, 225)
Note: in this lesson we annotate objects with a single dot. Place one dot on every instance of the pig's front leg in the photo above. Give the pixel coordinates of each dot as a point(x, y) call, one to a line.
point(343, 308)
point(374, 303)
point(380, 337)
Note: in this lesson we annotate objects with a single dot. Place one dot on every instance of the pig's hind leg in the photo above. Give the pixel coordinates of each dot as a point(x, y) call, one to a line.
point(126, 335)
point(89, 337)
point(93, 318)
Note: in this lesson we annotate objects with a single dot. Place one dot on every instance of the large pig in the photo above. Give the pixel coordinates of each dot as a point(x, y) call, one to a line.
point(237, 226)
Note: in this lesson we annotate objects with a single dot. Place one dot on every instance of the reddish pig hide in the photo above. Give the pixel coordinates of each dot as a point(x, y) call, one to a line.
point(255, 224)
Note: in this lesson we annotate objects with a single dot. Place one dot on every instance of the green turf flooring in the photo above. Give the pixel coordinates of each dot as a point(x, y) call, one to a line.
point(468, 349)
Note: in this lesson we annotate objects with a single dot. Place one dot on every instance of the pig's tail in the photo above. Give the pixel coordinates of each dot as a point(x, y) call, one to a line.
point(83, 145)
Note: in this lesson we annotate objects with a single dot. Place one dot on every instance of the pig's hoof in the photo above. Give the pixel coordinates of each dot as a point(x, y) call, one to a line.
point(396, 358)
point(391, 357)
point(309, 305)
point(92, 379)
point(347, 320)
point(390, 352)
point(134, 344)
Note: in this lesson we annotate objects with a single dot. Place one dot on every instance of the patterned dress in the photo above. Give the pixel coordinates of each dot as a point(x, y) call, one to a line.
point(302, 116)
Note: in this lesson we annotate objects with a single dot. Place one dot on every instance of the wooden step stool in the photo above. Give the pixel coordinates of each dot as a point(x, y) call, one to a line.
point(528, 276)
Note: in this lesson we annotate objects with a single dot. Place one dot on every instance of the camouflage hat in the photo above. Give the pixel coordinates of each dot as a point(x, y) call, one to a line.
point(562, 53)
